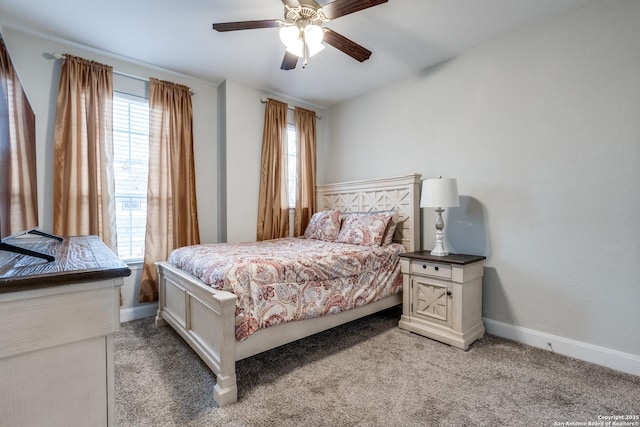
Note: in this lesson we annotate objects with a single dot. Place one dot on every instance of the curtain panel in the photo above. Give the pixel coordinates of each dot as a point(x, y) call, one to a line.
point(273, 205)
point(305, 122)
point(172, 217)
point(83, 154)
point(16, 217)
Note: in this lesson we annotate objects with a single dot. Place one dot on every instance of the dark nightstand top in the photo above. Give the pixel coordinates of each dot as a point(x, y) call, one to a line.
point(451, 258)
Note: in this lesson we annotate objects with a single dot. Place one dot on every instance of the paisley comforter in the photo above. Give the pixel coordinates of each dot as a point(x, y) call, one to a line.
point(290, 279)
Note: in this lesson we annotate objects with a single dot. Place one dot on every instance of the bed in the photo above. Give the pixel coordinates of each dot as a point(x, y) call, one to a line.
point(205, 317)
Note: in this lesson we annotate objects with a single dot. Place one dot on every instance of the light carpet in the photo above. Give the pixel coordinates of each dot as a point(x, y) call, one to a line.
point(366, 373)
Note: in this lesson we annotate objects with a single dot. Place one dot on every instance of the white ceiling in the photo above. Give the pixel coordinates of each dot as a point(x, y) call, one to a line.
point(405, 36)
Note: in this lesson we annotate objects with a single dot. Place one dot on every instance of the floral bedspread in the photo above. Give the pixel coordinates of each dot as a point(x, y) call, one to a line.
point(289, 279)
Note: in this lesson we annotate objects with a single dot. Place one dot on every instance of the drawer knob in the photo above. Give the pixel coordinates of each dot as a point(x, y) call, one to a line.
point(436, 267)
point(449, 293)
point(424, 265)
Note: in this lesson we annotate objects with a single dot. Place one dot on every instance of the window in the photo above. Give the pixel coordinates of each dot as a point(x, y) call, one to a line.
point(292, 168)
point(131, 164)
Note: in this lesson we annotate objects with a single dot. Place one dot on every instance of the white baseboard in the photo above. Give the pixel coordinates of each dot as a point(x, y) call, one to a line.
point(625, 362)
point(140, 312)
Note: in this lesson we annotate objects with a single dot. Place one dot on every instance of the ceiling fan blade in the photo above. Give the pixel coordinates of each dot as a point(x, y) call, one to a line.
point(347, 46)
point(291, 3)
point(340, 8)
point(246, 25)
point(289, 61)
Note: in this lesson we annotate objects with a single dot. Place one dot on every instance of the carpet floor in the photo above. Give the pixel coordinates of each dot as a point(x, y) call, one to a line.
point(367, 373)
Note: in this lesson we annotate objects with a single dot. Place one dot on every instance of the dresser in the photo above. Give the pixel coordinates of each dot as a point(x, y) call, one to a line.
point(57, 325)
point(442, 297)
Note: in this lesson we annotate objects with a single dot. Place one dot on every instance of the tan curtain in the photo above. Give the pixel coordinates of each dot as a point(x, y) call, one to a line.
point(305, 122)
point(172, 218)
point(83, 184)
point(19, 205)
point(273, 205)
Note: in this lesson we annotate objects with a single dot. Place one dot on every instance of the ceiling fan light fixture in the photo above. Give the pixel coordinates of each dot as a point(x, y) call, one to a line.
point(301, 30)
point(313, 49)
point(298, 49)
point(294, 39)
point(290, 36)
point(313, 34)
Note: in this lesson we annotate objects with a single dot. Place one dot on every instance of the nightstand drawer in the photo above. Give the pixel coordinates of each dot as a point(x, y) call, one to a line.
point(432, 269)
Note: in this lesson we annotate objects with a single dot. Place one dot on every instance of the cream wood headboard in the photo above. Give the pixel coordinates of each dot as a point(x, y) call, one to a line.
point(401, 194)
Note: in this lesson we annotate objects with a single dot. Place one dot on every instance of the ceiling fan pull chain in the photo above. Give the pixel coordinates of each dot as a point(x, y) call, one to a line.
point(305, 52)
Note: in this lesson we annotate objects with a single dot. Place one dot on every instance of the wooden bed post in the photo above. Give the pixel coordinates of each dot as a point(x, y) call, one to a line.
point(226, 391)
point(161, 299)
point(205, 318)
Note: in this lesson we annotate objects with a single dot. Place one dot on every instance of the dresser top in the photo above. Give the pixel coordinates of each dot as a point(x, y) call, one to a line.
point(80, 258)
point(450, 259)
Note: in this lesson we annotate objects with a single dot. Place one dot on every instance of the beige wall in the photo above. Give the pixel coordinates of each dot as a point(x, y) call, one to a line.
point(242, 118)
point(542, 130)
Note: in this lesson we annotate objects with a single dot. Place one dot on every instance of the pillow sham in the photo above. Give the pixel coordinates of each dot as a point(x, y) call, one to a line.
point(389, 233)
point(364, 229)
point(324, 225)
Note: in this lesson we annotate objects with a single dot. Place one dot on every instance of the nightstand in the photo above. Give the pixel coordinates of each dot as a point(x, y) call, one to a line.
point(442, 297)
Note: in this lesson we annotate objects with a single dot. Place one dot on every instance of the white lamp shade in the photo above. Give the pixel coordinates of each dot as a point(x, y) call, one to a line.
point(290, 35)
point(439, 193)
point(315, 48)
point(296, 48)
point(313, 35)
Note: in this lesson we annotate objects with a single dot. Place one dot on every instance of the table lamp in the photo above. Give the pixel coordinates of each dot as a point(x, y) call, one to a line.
point(439, 193)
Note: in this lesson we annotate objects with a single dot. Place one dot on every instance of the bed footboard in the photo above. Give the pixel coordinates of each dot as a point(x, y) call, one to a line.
point(205, 318)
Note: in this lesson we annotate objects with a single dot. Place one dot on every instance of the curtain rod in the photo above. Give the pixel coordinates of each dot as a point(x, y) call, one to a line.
point(264, 101)
point(57, 55)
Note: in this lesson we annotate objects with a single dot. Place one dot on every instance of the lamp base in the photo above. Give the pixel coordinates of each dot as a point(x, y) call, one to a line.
point(439, 249)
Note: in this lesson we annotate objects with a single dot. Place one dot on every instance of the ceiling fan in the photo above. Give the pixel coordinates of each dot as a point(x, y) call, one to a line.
point(302, 32)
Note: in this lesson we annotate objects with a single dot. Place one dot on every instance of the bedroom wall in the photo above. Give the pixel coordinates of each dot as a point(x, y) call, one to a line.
point(40, 76)
point(542, 130)
point(241, 121)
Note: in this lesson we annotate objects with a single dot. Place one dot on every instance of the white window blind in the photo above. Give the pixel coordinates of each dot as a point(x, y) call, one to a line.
point(131, 164)
point(292, 169)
